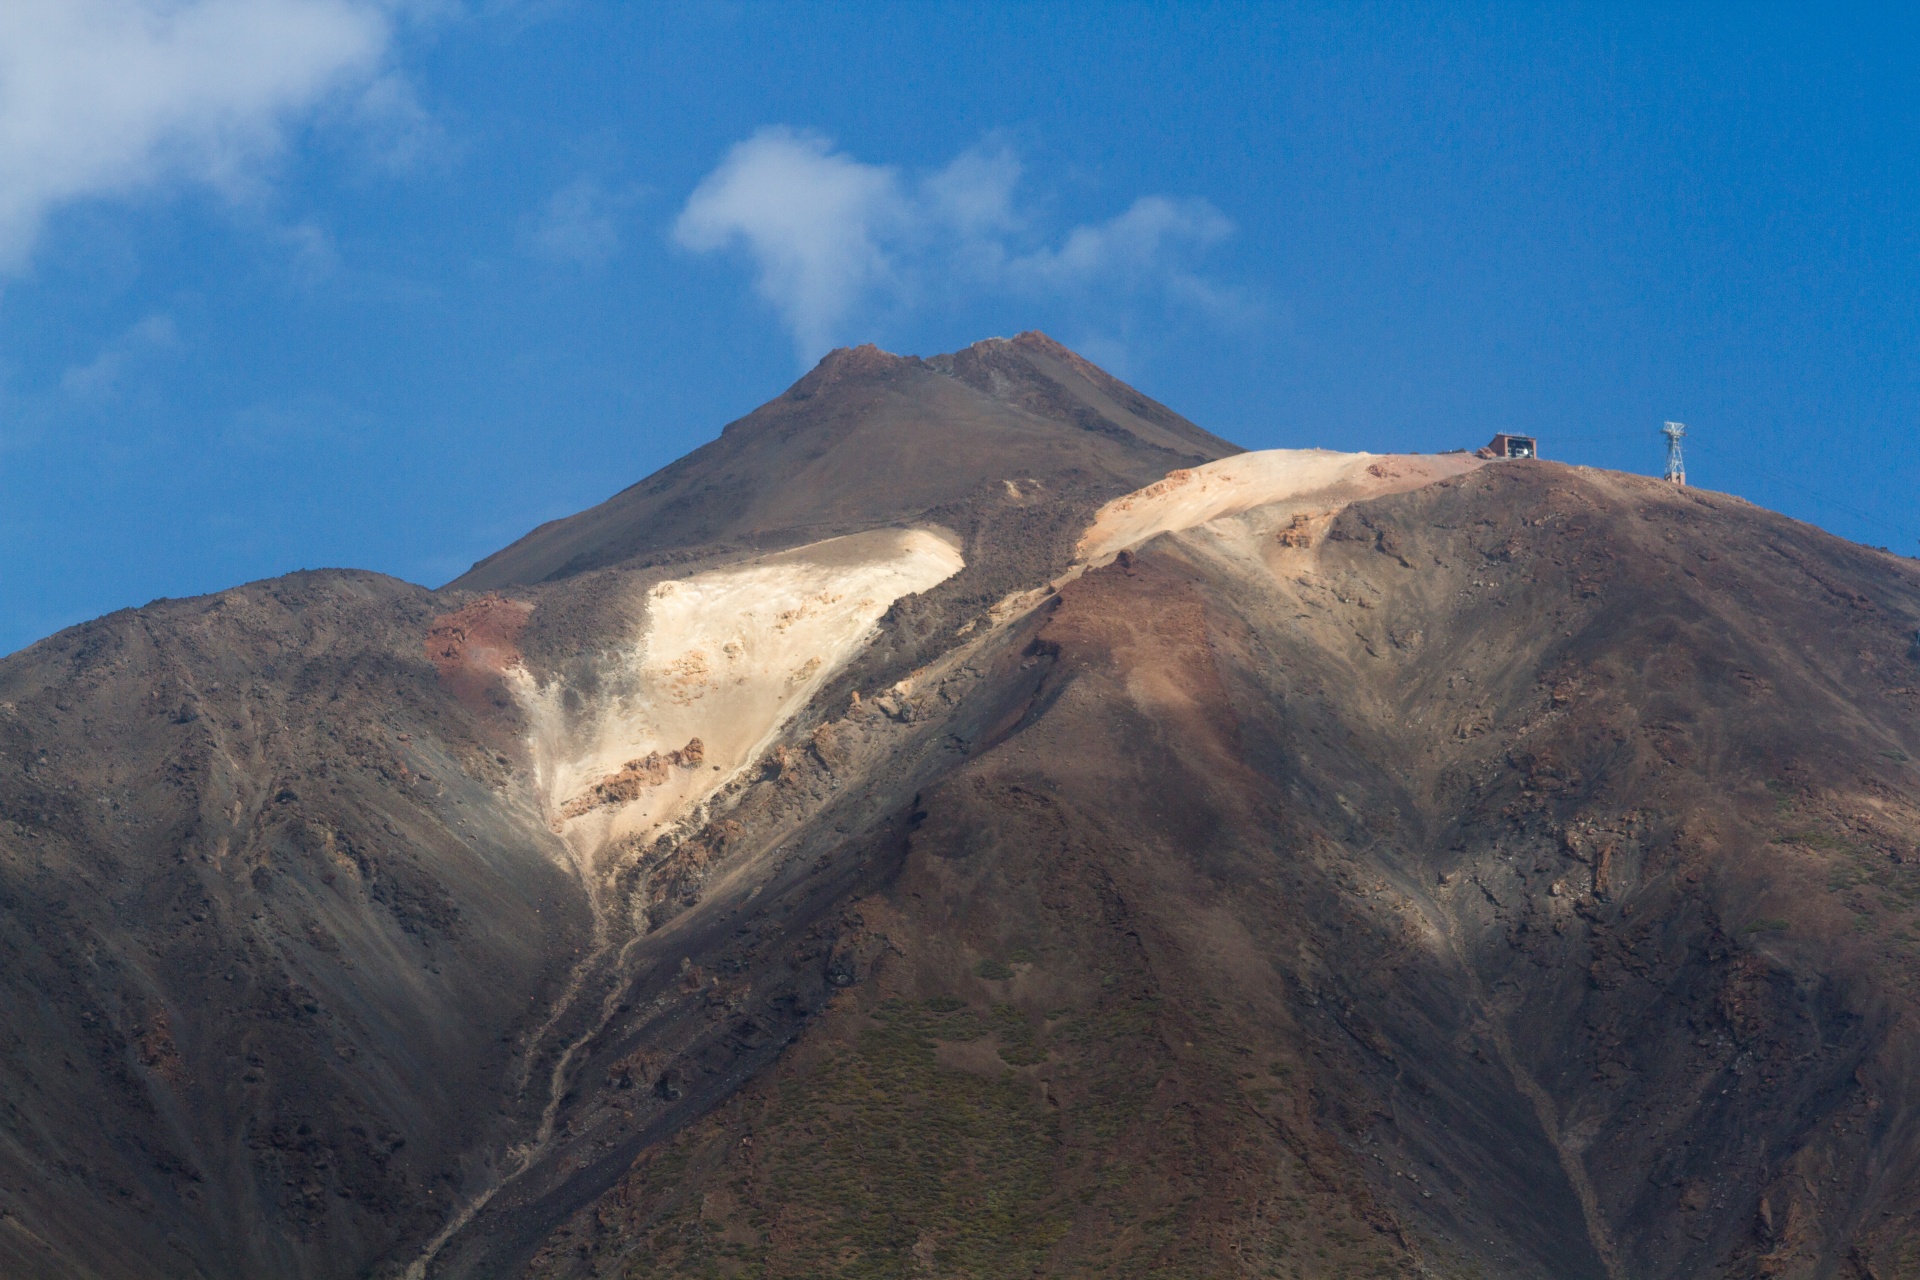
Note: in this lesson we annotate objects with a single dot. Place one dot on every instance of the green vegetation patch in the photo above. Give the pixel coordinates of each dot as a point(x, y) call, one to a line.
point(1813, 838)
point(1782, 794)
point(1018, 1045)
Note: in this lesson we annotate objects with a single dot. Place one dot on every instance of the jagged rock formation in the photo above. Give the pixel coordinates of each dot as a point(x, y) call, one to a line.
point(1117, 856)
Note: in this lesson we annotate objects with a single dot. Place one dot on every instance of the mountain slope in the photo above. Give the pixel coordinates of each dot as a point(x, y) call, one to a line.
point(270, 931)
point(1078, 858)
point(1509, 877)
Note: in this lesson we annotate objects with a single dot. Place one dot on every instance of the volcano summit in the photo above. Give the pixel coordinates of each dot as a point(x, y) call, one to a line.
point(968, 821)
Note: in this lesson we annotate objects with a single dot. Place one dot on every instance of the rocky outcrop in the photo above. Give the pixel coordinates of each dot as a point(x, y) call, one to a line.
point(634, 777)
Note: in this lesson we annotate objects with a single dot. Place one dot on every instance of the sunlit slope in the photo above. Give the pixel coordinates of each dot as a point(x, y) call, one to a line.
point(1314, 483)
point(723, 660)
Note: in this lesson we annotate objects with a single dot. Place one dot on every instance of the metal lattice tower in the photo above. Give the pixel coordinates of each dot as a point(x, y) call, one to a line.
point(1676, 466)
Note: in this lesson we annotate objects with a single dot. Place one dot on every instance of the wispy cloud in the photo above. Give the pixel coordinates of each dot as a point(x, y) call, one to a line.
point(1140, 247)
point(103, 98)
point(101, 376)
point(579, 224)
point(830, 237)
point(313, 419)
point(399, 133)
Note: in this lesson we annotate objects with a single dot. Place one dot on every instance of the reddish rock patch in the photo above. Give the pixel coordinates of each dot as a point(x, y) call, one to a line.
point(1300, 532)
point(472, 646)
point(635, 776)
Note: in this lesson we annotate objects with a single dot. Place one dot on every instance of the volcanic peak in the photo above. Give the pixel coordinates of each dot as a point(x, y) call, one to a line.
point(869, 439)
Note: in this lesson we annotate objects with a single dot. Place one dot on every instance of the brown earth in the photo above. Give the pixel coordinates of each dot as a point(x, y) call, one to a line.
point(1514, 877)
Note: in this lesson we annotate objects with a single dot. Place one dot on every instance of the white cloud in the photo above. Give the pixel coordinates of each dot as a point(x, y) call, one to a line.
point(106, 97)
point(311, 255)
point(314, 419)
point(829, 235)
point(813, 220)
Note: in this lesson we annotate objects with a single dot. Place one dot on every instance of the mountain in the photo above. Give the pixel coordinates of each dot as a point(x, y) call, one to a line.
point(966, 821)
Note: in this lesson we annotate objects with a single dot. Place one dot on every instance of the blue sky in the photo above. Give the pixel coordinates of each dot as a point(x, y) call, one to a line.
point(299, 283)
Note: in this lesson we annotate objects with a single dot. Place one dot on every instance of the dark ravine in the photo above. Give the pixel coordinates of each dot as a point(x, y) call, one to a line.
point(1517, 876)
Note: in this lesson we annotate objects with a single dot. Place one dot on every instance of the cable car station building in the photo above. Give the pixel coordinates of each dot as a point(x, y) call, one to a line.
point(1506, 446)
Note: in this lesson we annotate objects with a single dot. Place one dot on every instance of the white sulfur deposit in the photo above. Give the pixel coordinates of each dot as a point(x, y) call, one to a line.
point(1316, 479)
point(722, 660)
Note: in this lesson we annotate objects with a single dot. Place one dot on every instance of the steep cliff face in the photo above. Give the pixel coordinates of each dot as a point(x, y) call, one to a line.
point(1193, 863)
